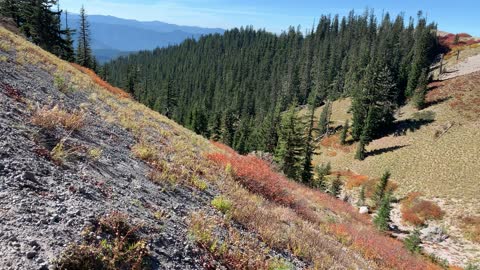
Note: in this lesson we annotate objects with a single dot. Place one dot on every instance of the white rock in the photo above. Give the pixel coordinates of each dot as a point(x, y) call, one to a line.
point(363, 210)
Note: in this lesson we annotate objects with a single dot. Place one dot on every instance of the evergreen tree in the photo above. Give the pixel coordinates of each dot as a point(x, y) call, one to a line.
point(84, 51)
point(307, 170)
point(381, 188)
point(199, 122)
point(343, 135)
point(11, 9)
point(361, 196)
point(321, 172)
point(214, 128)
point(69, 52)
point(360, 153)
point(324, 119)
point(383, 215)
point(336, 187)
point(289, 152)
point(421, 91)
point(228, 128)
point(38, 21)
point(456, 40)
point(412, 242)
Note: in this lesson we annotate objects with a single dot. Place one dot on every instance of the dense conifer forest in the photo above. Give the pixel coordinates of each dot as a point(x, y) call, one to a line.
point(243, 87)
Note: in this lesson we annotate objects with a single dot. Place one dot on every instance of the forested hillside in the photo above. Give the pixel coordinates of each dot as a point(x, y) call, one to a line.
point(234, 87)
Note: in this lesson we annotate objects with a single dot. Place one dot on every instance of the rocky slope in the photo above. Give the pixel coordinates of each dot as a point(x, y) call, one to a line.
point(44, 206)
point(75, 152)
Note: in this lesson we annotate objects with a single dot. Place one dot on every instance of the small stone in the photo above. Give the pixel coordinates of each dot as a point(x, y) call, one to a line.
point(31, 254)
point(363, 210)
point(28, 176)
point(55, 218)
point(33, 243)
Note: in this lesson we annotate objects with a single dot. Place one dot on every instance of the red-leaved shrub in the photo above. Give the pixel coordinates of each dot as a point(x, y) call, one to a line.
point(112, 89)
point(351, 228)
point(417, 211)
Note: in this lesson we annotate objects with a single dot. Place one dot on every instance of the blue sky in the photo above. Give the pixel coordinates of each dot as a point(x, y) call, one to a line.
point(276, 15)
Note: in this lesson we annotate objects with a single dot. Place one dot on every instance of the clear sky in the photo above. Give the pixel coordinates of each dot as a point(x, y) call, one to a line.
point(276, 15)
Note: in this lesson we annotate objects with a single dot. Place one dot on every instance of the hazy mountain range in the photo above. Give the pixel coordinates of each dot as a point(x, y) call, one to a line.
point(112, 36)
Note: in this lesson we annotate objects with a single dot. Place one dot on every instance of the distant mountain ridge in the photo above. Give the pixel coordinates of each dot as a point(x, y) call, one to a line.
point(112, 36)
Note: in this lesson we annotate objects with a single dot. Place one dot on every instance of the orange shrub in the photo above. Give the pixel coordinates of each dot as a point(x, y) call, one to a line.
point(353, 180)
point(352, 228)
point(334, 142)
point(417, 211)
point(112, 89)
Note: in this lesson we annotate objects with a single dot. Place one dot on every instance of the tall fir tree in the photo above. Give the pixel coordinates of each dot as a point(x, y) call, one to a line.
point(291, 142)
point(336, 187)
point(324, 120)
point(307, 170)
point(381, 188)
point(421, 91)
point(84, 50)
point(383, 215)
point(69, 52)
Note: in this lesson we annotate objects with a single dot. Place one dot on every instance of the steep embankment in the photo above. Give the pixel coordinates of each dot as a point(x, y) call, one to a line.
point(433, 151)
point(91, 179)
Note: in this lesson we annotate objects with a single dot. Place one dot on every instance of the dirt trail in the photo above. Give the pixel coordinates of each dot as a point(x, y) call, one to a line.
point(470, 65)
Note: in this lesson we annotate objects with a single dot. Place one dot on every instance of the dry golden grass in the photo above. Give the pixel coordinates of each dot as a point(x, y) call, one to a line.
point(471, 228)
point(56, 117)
point(233, 249)
point(446, 167)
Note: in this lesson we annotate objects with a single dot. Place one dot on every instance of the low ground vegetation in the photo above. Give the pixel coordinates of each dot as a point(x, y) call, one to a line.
point(111, 243)
point(416, 211)
point(56, 117)
point(348, 227)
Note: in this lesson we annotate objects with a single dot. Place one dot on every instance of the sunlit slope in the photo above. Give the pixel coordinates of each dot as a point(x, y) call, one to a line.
point(434, 151)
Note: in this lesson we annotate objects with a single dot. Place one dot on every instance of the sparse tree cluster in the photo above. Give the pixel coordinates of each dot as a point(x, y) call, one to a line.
point(41, 22)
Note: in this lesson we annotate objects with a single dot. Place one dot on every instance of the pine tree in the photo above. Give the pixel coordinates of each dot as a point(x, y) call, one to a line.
point(360, 153)
point(324, 120)
point(84, 51)
point(11, 9)
point(413, 241)
point(421, 91)
point(307, 170)
point(200, 122)
point(289, 151)
point(361, 196)
point(456, 40)
point(381, 188)
point(321, 171)
point(38, 21)
point(69, 52)
point(383, 215)
point(343, 135)
point(336, 187)
point(227, 128)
